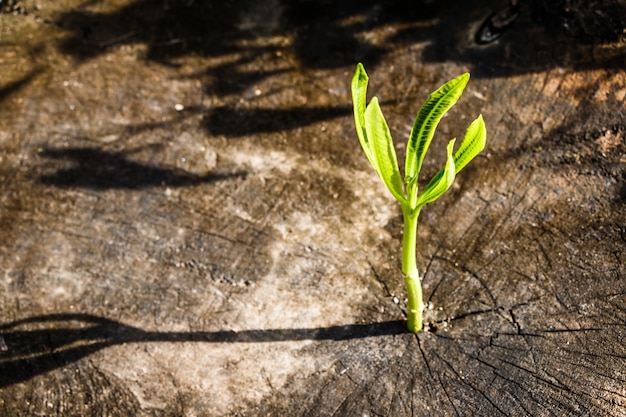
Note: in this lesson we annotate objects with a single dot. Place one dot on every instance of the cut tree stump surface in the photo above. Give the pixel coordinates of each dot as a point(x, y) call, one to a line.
point(189, 227)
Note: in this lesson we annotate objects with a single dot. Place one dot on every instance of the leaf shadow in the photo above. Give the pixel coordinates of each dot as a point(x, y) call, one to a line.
point(240, 122)
point(12, 87)
point(337, 34)
point(247, 43)
point(99, 169)
point(39, 344)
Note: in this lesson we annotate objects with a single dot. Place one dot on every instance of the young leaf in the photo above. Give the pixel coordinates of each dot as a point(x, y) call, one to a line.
point(473, 143)
point(440, 182)
point(431, 112)
point(359, 92)
point(377, 131)
point(377, 144)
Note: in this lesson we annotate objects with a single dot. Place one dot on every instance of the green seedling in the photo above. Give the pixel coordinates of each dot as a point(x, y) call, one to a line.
point(376, 141)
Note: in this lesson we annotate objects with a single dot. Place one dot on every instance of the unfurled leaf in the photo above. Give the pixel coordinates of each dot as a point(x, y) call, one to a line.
point(431, 112)
point(359, 99)
point(440, 182)
point(381, 142)
point(473, 143)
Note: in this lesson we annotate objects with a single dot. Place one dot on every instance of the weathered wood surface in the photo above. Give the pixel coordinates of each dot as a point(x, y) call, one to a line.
point(239, 257)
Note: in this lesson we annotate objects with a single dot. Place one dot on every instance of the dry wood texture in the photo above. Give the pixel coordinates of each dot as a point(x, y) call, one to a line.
point(188, 226)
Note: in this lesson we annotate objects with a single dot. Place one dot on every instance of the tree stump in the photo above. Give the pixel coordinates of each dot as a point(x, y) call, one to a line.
point(189, 227)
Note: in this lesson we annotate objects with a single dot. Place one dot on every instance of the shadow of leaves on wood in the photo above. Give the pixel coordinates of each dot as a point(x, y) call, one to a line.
point(14, 86)
point(339, 33)
point(240, 122)
point(57, 340)
point(239, 38)
point(221, 28)
point(98, 169)
point(553, 44)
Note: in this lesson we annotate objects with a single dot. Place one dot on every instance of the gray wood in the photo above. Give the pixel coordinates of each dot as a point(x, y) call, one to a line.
point(236, 256)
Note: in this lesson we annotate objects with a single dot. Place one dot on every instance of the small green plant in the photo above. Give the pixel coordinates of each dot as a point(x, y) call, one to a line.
point(376, 141)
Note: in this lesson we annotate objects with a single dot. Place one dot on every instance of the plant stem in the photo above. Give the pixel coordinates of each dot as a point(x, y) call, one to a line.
point(415, 305)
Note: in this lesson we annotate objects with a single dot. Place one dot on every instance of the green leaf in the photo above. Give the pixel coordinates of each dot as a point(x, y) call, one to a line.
point(441, 182)
point(431, 112)
point(377, 131)
point(359, 98)
point(473, 143)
